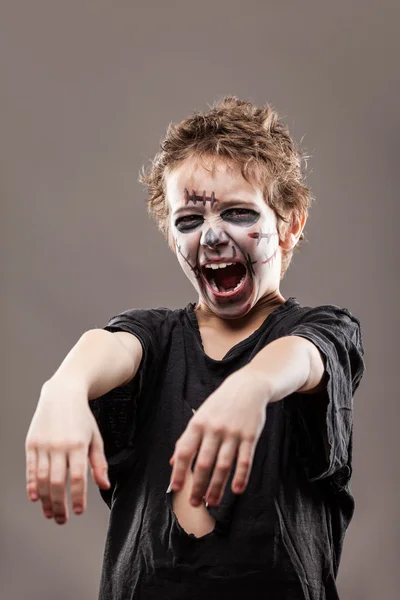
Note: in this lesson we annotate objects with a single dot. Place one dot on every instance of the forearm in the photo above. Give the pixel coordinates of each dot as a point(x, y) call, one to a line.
point(99, 362)
point(287, 365)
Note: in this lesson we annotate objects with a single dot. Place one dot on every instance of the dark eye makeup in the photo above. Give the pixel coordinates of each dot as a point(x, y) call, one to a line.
point(240, 216)
point(188, 223)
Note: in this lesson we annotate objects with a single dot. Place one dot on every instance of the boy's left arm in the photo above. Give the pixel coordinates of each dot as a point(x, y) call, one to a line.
point(289, 364)
point(229, 423)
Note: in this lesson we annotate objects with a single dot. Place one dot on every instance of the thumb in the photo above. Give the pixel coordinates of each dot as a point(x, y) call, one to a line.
point(98, 463)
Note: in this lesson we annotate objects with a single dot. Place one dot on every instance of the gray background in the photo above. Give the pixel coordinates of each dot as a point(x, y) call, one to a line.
point(87, 90)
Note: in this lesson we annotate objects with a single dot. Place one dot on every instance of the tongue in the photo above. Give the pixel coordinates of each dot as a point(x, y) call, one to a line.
point(227, 278)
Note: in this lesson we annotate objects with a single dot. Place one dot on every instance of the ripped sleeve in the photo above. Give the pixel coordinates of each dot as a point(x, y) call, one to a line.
point(322, 423)
point(116, 412)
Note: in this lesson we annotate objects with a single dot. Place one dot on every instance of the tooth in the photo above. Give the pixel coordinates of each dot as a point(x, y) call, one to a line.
point(237, 286)
point(213, 285)
point(218, 265)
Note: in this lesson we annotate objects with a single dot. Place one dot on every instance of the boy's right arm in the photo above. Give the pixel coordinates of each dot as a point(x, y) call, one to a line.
point(63, 433)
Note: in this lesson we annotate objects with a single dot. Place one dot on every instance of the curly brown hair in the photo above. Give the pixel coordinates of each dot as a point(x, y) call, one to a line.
point(244, 135)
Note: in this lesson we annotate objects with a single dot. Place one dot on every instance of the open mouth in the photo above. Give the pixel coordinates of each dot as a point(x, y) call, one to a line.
point(225, 279)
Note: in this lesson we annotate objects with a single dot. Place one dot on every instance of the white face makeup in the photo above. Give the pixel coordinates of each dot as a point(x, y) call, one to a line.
point(225, 236)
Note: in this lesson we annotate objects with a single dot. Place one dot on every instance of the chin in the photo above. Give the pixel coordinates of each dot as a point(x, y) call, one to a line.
point(234, 307)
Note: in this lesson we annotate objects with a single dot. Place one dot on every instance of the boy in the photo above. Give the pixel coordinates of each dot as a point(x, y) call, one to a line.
point(246, 395)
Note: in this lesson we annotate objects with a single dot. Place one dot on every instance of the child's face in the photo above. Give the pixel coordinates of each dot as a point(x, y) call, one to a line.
point(226, 237)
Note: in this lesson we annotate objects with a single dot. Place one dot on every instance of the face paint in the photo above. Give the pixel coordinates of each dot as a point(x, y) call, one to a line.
point(211, 239)
point(193, 198)
point(226, 237)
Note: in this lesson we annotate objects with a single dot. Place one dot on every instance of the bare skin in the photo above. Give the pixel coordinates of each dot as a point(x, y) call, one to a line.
point(63, 438)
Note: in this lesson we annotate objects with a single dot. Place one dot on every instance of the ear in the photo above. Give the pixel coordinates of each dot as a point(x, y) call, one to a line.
point(293, 231)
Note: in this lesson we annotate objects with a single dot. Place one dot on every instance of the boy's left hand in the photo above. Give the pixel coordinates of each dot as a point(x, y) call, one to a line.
point(228, 425)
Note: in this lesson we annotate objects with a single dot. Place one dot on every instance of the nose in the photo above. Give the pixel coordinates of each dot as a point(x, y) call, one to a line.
point(213, 237)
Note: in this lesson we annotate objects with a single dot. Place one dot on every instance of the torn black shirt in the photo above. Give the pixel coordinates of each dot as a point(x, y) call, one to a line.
point(282, 538)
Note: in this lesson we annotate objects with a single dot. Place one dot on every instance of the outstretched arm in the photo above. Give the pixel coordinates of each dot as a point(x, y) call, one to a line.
point(229, 423)
point(63, 433)
point(289, 364)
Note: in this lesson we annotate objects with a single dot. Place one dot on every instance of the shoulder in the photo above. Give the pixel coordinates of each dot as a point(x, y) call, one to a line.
point(328, 317)
point(151, 326)
point(150, 316)
point(150, 323)
point(299, 313)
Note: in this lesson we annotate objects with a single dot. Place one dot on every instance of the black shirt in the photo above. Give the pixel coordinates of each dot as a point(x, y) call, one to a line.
point(282, 538)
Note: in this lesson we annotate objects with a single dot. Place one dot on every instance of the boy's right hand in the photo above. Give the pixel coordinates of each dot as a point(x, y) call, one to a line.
point(63, 435)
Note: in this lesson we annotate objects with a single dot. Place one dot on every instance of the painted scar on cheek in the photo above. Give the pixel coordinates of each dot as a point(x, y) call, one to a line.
point(203, 199)
point(264, 262)
point(195, 270)
point(260, 235)
point(250, 264)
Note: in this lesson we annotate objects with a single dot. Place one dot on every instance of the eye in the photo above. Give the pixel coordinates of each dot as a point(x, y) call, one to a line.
point(241, 216)
point(188, 223)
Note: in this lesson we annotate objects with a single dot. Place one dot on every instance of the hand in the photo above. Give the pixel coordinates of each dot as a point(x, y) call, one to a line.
point(63, 433)
point(227, 425)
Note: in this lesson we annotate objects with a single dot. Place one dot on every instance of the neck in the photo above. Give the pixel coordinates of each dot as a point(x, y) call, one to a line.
point(265, 305)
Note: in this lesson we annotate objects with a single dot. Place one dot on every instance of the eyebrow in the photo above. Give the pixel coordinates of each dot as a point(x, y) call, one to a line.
point(219, 205)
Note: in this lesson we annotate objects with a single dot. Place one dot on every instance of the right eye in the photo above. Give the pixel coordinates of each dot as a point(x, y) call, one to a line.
point(188, 223)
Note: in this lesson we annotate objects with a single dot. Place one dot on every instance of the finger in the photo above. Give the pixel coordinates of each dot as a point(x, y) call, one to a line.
point(185, 451)
point(31, 481)
point(78, 464)
point(243, 466)
point(204, 464)
point(223, 467)
point(58, 495)
point(98, 462)
point(43, 466)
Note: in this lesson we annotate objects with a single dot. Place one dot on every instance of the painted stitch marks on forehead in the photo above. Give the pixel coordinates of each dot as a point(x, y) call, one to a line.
point(203, 199)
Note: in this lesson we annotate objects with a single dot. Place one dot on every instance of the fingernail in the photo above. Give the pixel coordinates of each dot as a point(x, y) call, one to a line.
point(195, 501)
point(78, 509)
point(169, 488)
point(60, 520)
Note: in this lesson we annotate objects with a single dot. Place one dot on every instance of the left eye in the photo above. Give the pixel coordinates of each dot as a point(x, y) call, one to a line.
point(240, 215)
